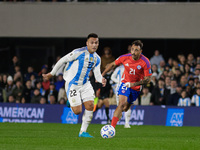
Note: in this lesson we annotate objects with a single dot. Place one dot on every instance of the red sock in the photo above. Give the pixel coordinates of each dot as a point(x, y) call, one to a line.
point(114, 121)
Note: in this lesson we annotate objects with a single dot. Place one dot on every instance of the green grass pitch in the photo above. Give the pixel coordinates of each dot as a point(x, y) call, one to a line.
point(52, 136)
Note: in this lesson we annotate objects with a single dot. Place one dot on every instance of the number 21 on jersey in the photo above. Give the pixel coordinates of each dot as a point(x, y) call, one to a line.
point(132, 71)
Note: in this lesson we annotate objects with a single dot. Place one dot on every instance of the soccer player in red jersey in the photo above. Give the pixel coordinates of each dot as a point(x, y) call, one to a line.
point(137, 73)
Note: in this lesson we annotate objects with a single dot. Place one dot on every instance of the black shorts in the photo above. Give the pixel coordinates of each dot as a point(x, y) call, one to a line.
point(104, 93)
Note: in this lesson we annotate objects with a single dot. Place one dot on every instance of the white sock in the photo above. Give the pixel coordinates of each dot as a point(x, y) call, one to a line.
point(127, 116)
point(86, 119)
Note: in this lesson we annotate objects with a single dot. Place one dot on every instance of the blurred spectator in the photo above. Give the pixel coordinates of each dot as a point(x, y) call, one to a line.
point(170, 74)
point(43, 100)
point(157, 58)
point(52, 99)
point(145, 97)
point(154, 69)
point(39, 86)
point(129, 48)
point(161, 66)
point(187, 71)
point(191, 84)
point(182, 62)
point(15, 62)
point(198, 65)
point(62, 93)
point(11, 99)
point(196, 98)
point(188, 89)
point(45, 84)
point(177, 75)
point(168, 82)
point(154, 79)
point(191, 61)
point(160, 94)
point(43, 71)
point(173, 86)
point(175, 66)
point(33, 80)
point(60, 82)
point(18, 100)
point(62, 101)
point(10, 86)
point(4, 83)
point(28, 92)
point(196, 80)
point(165, 74)
point(36, 96)
point(167, 68)
point(106, 58)
point(183, 81)
point(30, 71)
point(184, 100)
point(197, 73)
point(18, 74)
point(174, 98)
point(198, 59)
point(1, 95)
point(18, 90)
point(170, 63)
point(51, 91)
point(23, 101)
point(1, 80)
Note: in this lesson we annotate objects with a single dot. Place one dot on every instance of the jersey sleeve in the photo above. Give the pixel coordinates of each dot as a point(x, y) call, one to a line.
point(119, 61)
point(97, 71)
point(65, 59)
point(147, 69)
point(114, 75)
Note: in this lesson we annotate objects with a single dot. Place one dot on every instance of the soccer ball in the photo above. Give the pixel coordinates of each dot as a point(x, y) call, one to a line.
point(107, 131)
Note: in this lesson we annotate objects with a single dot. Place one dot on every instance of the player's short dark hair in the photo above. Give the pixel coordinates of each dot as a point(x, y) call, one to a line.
point(138, 43)
point(92, 35)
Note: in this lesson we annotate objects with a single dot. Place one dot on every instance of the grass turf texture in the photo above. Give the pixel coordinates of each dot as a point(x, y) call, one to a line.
point(47, 136)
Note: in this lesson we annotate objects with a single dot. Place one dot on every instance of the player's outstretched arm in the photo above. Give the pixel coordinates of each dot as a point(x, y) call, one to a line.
point(109, 67)
point(142, 82)
point(47, 76)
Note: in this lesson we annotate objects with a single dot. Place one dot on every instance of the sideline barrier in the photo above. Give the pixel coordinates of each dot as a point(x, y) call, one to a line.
point(140, 115)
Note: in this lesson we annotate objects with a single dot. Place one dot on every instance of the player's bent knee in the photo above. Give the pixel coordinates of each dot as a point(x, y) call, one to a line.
point(89, 105)
point(125, 109)
point(121, 105)
point(76, 110)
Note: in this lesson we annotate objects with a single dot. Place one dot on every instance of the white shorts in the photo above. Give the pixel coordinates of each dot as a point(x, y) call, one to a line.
point(78, 94)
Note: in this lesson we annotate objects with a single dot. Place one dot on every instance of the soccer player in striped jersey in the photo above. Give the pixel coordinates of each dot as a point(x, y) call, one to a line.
point(137, 72)
point(78, 65)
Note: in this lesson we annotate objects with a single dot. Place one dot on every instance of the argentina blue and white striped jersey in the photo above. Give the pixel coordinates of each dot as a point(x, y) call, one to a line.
point(184, 102)
point(196, 100)
point(79, 63)
point(117, 75)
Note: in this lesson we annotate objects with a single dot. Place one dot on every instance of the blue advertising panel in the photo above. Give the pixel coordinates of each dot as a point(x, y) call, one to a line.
point(36, 113)
point(175, 117)
point(140, 115)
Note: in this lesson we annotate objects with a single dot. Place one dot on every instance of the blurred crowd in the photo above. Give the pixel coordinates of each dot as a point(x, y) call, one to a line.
point(175, 81)
point(30, 87)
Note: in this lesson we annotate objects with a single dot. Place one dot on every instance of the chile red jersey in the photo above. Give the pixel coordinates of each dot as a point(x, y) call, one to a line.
point(135, 70)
